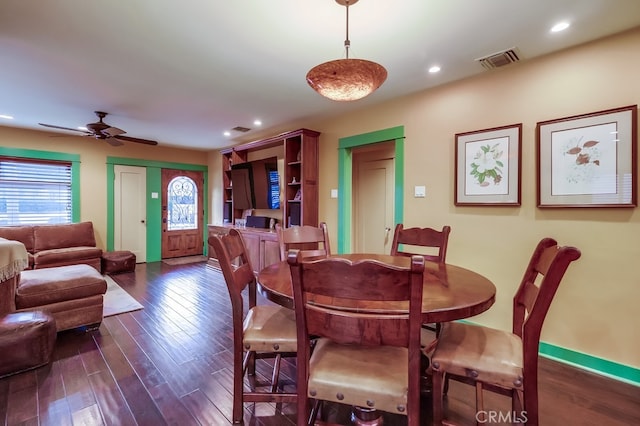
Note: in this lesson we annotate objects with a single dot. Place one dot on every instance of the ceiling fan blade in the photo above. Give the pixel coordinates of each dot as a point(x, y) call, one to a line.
point(114, 142)
point(136, 140)
point(113, 131)
point(64, 128)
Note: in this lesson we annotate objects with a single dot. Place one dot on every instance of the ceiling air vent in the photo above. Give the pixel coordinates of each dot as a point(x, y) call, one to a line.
point(241, 129)
point(499, 59)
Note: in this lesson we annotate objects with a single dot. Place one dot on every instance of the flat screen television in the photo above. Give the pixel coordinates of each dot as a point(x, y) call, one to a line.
point(256, 184)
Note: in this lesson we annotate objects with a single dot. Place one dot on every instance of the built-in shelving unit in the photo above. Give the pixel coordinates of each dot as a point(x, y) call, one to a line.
point(300, 180)
point(229, 158)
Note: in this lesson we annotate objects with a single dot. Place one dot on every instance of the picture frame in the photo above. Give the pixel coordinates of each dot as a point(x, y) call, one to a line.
point(488, 167)
point(588, 160)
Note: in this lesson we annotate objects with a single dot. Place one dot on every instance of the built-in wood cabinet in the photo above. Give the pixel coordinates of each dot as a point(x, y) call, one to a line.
point(262, 246)
point(299, 180)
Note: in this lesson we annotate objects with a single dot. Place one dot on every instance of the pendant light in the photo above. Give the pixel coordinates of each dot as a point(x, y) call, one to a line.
point(346, 79)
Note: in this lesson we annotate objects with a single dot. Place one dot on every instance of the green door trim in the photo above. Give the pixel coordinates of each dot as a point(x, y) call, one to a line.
point(154, 205)
point(345, 178)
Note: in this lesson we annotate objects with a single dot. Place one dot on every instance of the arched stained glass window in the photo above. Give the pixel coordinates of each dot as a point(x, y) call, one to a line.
point(182, 196)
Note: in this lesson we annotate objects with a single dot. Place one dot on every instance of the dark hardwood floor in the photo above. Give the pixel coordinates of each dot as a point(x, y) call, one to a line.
point(170, 364)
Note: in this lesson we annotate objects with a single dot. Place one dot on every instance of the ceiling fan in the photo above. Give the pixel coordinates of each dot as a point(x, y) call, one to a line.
point(101, 130)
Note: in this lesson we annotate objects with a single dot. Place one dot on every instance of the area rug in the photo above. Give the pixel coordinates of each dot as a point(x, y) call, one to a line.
point(117, 300)
point(184, 260)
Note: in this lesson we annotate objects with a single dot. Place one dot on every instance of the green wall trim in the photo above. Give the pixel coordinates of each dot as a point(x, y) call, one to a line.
point(399, 188)
point(39, 155)
point(154, 205)
point(154, 215)
point(74, 159)
point(345, 178)
point(602, 366)
point(372, 137)
point(111, 178)
point(159, 164)
point(344, 199)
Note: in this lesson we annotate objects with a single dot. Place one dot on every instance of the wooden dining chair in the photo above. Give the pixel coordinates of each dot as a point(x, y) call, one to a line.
point(363, 360)
point(266, 331)
point(312, 240)
point(421, 238)
point(496, 360)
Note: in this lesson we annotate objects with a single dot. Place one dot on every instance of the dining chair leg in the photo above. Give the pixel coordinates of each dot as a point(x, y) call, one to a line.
point(276, 373)
point(251, 363)
point(481, 417)
point(314, 412)
point(445, 388)
point(437, 397)
point(238, 388)
point(245, 362)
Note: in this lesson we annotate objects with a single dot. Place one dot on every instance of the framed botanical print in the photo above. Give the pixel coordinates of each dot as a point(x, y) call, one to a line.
point(487, 167)
point(588, 160)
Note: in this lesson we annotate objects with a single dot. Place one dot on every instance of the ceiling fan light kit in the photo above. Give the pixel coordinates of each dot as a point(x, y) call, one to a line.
point(346, 79)
point(103, 131)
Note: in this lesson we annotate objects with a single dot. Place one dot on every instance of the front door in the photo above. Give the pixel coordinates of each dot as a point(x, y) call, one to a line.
point(373, 198)
point(182, 213)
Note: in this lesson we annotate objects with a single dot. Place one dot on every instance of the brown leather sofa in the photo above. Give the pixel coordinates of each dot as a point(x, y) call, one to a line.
point(56, 245)
point(72, 294)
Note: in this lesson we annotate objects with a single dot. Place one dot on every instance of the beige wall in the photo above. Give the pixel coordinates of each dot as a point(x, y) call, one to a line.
point(595, 311)
point(93, 156)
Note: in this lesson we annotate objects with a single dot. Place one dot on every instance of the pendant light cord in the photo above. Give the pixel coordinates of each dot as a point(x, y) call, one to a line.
point(347, 42)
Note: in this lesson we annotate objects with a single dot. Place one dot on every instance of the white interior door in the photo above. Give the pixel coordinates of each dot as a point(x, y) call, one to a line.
point(130, 210)
point(373, 194)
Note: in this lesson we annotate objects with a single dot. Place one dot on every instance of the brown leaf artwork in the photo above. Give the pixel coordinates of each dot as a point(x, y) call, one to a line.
point(584, 157)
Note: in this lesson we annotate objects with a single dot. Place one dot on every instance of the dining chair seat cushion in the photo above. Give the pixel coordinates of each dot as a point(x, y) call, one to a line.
point(485, 354)
point(373, 377)
point(270, 328)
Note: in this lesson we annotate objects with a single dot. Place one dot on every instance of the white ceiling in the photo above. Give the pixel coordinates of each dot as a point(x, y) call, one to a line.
point(182, 72)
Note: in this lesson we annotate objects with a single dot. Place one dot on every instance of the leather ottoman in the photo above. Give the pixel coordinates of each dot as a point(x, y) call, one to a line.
point(115, 262)
point(26, 341)
point(72, 294)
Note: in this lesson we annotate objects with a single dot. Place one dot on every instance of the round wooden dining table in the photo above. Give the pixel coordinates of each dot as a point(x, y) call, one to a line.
point(449, 293)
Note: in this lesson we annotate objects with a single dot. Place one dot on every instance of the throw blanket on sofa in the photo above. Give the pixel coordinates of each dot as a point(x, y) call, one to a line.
point(13, 258)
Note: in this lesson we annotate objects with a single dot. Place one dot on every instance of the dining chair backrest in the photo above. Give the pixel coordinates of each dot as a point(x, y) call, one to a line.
point(423, 238)
point(499, 361)
point(263, 331)
point(237, 270)
point(538, 286)
point(317, 282)
point(311, 240)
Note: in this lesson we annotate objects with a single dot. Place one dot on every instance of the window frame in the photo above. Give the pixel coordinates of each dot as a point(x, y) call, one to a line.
point(49, 156)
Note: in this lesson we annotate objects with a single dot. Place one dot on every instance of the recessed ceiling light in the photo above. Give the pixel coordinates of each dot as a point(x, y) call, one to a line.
point(6, 117)
point(560, 26)
point(434, 69)
point(84, 129)
point(257, 122)
point(227, 133)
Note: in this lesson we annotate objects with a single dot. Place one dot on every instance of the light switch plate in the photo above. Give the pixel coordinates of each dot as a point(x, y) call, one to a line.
point(419, 191)
point(334, 193)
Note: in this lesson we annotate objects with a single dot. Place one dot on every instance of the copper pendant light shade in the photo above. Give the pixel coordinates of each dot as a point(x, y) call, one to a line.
point(346, 79)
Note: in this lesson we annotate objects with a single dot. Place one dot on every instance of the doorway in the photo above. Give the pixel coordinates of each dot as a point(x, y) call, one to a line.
point(130, 210)
point(346, 148)
point(373, 197)
point(182, 213)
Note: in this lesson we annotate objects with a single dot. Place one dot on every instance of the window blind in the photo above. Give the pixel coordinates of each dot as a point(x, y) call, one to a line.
point(34, 192)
